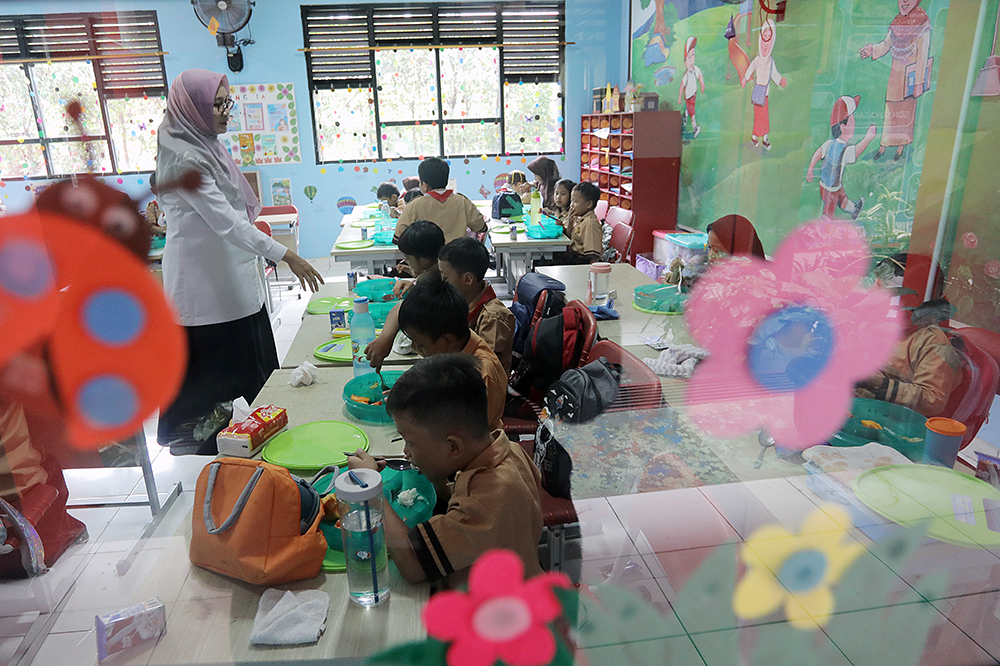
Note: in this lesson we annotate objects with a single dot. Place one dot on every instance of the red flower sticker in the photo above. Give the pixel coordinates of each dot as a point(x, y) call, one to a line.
point(502, 616)
point(969, 240)
point(992, 268)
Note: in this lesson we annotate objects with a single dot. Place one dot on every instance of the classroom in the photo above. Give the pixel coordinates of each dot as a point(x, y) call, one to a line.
point(514, 332)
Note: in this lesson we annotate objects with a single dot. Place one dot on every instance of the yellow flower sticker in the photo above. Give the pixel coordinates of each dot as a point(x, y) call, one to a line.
point(796, 571)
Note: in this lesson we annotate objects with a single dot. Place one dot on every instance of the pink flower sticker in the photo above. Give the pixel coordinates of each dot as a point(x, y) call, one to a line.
point(503, 616)
point(969, 240)
point(992, 268)
point(788, 339)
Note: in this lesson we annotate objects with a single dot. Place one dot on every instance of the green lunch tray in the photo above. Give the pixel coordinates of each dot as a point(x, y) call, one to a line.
point(313, 446)
point(322, 306)
point(960, 508)
point(338, 349)
point(366, 223)
point(500, 228)
point(659, 299)
point(355, 244)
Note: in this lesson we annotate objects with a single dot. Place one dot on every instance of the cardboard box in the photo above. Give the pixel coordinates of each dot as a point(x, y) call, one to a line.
point(243, 439)
point(130, 626)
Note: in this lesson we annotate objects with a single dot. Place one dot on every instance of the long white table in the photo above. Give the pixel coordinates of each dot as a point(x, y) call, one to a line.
point(367, 258)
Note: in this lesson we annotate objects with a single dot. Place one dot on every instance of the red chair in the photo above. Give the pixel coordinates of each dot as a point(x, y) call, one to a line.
point(602, 209)
point(279, 210)
point(621, 240)
point(986, 340)
point(639, 386)
point(589, 322)
point(970, 403)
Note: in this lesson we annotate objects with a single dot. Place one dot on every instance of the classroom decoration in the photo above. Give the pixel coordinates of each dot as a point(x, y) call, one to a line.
point(263, 125)
point(346, 204)
point(788, 339)
point(281, 192)
point(310, 192)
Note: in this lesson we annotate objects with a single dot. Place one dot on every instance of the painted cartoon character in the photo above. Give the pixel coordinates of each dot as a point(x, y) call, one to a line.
point(764, 70)
point(836, 154)
point(689, 83)
point(908, 41)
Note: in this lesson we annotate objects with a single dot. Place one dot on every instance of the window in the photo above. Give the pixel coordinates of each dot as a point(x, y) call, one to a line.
point(111, 62)
point(403, 81)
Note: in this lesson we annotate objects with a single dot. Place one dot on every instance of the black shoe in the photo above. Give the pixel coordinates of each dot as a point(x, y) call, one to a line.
point(857, 208)
point(879, 155)
point(899, 155)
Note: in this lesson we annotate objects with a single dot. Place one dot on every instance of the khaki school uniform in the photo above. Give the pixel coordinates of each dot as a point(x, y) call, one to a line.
point(494, 504)
point(494, 323)
point(586, 236)
point(493, 375)
point(454, 216)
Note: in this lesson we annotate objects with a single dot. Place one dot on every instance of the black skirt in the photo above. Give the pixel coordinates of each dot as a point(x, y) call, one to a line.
point(225, 361)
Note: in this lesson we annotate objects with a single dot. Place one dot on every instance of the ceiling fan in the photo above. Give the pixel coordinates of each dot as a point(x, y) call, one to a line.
point(226, 17)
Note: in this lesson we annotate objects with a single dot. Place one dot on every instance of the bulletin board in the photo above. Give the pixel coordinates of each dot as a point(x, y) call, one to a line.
point(263, 125)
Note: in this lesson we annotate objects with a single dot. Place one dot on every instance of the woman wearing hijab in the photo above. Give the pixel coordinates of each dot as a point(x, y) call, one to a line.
point(210, 269)
point(546, 175)
point(908, 41)
point(764, 70)
point(734, 235)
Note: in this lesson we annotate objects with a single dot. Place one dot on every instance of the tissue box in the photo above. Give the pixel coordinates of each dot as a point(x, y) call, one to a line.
point(243, 439)
point(129, 627)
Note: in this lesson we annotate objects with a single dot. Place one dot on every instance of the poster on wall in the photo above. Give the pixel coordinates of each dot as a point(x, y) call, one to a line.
point(281, 192)
point(263, 126)
point(822, 114)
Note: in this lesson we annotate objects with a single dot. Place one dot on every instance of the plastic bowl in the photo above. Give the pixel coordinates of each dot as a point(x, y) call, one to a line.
point(369, 386)
point(658, 299)
point(157, 242)
point(378, 311)
point(543, 230)
point(377, 290)
point(903, 421)
point(383, 237)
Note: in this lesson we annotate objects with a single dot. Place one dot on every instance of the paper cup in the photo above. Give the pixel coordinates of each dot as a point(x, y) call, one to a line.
point(944, 439)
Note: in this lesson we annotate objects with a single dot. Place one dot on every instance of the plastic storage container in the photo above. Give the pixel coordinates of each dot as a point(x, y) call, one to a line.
point(600, 279)
point(376, 290)
point(359, 496)
point(378, 311)
point(369, 386)
point(658, 299)
point(648, 265)
point(691, 248)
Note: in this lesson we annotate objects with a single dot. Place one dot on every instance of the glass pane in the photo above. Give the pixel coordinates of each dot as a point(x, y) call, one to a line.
point(410, 141)
point(345, 124)
point(470, 83)
point(26, 160)
point(133, 131)
point(71, 157)
point(407, 86)
point(58, 83)
point(473, 138)
point(533, 117)
point(17, 119)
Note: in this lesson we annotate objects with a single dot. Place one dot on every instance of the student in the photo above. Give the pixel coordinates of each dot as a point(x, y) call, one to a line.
point(561, 199)
point(451, 211)
point(584, 228)
point(439, 406)
point(463, 263)
point(517, 182)
point(388, 193)
point(436, 318)
point(420, 244)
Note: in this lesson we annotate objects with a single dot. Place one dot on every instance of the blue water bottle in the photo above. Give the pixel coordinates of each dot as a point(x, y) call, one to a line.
point(362, 333)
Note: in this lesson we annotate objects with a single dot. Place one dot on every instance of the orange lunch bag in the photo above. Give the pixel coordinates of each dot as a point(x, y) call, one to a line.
point(248, 523)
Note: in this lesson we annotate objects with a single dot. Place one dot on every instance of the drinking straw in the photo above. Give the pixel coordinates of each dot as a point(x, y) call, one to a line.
point(371, 539)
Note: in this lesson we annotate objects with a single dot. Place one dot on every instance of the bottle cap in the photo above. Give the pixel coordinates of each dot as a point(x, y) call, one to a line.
point(348, 490)
point(360, 305)
point(600, 267)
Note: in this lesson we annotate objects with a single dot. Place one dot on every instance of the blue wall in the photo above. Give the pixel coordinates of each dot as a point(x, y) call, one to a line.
point(599, 28)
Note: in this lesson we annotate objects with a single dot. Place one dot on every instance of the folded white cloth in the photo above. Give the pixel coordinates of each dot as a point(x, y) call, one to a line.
point(677, 360)
point(304, 375)
point(290, 618)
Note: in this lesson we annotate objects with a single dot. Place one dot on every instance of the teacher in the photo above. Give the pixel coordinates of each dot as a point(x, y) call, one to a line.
point(210, 269)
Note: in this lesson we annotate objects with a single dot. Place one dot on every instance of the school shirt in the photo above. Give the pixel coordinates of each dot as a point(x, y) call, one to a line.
point(586, 236)
point(922, 373)
point(494, 504)
point(454, 215)
point(494, 323)
point(493, 375)
point(210, 272)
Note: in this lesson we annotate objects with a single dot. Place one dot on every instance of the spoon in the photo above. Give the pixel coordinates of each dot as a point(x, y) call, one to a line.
point(385, 387)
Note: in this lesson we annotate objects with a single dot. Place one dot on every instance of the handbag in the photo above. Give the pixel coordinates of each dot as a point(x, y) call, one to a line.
point(553, 461)
point(580, 394)
point(255, 522)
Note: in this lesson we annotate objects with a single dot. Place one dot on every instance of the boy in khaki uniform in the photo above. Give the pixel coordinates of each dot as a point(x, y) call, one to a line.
point(439, 407)
point(451, 211)
point(436, 318)
point(463, 263)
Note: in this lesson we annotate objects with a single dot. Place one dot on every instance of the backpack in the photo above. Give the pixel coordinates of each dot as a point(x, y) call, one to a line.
point(580, 394)
point(526, 297)
point(553, 462)
point(507, 204)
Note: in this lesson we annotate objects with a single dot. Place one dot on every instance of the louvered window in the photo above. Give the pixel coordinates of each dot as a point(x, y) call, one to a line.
point(112, 62)
point(452, 79)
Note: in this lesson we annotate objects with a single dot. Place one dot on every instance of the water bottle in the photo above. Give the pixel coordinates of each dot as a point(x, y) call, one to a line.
point(359, 498)
point(536, 207)
point(362, 333)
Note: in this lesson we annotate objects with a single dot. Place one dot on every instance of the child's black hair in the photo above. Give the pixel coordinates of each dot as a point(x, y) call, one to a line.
point(837, 129)
point(443, 392)
point(434, 308)
point(466, 255)
point(422, 239)
point(434, 171)
point(589, 192)
point(516, 177)
point(386, 190)
point(411, 195)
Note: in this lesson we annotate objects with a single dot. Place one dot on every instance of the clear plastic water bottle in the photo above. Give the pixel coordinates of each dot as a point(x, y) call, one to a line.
point(536, 207)
point(359, 498)
point(362, 333)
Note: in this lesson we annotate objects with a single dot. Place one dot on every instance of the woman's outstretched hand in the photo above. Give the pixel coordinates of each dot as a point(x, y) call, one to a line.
point(304, 271)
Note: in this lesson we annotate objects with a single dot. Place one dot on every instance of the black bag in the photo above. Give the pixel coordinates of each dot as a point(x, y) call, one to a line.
point(553, 462)
point(507, 204)
point(529, 288)
point(580, 394)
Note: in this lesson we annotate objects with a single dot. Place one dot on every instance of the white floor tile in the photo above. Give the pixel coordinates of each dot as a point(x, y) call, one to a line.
point(69, 649)
point(102, 482)
point(168, 470)
point(96, 519)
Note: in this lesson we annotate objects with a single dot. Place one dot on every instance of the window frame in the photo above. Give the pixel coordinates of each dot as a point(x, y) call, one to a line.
point(87, 21)
point(375, 41)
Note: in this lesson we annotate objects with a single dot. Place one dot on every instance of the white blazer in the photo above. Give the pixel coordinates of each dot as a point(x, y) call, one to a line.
point(209, 260)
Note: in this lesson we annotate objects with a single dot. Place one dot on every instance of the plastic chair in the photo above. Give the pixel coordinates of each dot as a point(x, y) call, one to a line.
point(279, 210)
point(602, 209)
point(617, 214)
point(639, 387)
point(621, 240)
point(986, 340)
point(970, 403)
point(589, 331)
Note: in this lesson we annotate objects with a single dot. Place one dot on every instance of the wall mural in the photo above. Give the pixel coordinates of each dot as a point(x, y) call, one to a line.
point(776, 111)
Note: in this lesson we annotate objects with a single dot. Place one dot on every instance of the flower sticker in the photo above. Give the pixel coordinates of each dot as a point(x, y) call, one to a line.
point(992, 268)
point(502, 616)
point(796, 571)
point(788, 339)
point(969, 240)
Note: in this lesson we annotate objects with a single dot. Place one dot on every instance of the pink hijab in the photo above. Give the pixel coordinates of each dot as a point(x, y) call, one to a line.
point(187, 139)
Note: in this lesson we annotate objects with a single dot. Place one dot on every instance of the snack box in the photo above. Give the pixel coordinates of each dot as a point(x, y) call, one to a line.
point(243, 439)
point(130, 626)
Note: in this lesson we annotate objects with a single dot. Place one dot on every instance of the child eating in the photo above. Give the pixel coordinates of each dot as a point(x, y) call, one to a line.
point(584, 228)
point(561, 199)
point(388, 194)
point(451, 211)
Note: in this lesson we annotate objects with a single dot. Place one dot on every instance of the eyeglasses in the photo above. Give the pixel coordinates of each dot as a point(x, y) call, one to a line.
point(224, 106)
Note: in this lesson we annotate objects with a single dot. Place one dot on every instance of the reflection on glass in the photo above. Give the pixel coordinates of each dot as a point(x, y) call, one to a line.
point(410, 140)
point(72, 157)
point(345, 124)
point(470, 84)
point(57, 84)
point(409, 84)
point(533, 117)
point(17, 120)
point(133, 126)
